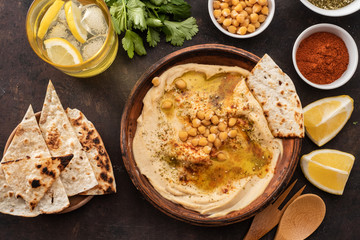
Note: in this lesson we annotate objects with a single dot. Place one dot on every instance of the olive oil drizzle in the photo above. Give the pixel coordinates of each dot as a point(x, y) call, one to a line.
point(245, 157)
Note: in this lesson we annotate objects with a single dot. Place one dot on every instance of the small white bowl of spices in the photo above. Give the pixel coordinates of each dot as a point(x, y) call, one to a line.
point(325, 56)
point(241, 18)
point(333, 8)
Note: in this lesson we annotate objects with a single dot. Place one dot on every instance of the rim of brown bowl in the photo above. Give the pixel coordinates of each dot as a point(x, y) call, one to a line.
point(76, 201)
point(205, 54)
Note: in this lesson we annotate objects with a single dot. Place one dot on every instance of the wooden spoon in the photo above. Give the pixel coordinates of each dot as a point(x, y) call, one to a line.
point(301, 218)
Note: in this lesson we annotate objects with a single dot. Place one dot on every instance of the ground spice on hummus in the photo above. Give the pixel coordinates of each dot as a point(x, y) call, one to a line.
point(322, 57)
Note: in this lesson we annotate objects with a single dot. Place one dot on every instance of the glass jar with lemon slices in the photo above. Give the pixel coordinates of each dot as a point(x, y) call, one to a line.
point(75, 36)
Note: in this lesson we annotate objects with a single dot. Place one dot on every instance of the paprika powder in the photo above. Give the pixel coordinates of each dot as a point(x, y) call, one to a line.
point(322, 57)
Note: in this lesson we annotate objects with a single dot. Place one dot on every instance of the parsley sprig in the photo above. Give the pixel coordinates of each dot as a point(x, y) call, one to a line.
point(135, 18)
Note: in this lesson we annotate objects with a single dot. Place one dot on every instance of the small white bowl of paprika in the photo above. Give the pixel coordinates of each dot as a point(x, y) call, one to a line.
point(325, 56)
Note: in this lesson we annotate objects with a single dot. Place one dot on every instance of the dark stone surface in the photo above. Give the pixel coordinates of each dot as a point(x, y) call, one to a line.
point(126, 215)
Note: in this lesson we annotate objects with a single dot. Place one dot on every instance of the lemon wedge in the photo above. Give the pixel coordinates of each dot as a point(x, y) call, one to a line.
point(323, 119)
point(62, 52)
point(73, 19)
point(49, 17)
point(327, 169)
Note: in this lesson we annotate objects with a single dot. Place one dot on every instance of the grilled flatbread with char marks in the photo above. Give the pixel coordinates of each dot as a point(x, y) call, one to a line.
point(31, 178)
point(61, 139)
point(95, 150)
point(276, 93)
point(29, 143)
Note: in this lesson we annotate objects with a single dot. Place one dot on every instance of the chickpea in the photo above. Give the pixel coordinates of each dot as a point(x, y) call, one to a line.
point(180, 84)
point(265, 10)
point(249, 10)
point(214, 129)
point(209, 114)
point(215, 120)
point(240, 18)
point(262, 2)
point(221, 156)
point(257, 25)
point(166, 104)
point(232, 133)
point(251, 28)
point(196, 123)
point(220, 19)
point(194, 142)
point(192, 132)
point(222, 127)
point(216, 4)
point(203, 141)
point(252, 1)
point(206, 122)
point(217, 13)
point(233, 14)
point(245, 13)
point(254, 17)
point(217, 143)
point(201, 129)
point(225, 12)
point(207, 132)
point(242, 30)
point(262, 18)
point(200, 115)
point(224, 5)
point(235, 2)
point(235, 24)
point(227, 22)
point(156, 81)
point(243, 4)
point(232, 122)
point(256, 8)
point(207, 149)
point(247, 3)
point(211, 138)
point(183, 136)
point(238, 8)
point(223, 136)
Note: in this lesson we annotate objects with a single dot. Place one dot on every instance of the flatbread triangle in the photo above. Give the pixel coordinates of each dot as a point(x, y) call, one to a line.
point(29, 143)
point(95, 150)
point(276, 93)
point(31, 178)
point(61, 139)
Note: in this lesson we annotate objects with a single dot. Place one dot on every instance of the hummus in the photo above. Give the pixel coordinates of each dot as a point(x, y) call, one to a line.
point(203, 141)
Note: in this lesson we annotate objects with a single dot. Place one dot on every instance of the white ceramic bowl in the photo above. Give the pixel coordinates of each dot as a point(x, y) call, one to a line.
point(263, 26)
point(350, 45)
point(349, 9)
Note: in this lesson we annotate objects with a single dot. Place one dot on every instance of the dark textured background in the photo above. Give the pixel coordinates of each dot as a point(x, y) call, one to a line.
point(126, 215)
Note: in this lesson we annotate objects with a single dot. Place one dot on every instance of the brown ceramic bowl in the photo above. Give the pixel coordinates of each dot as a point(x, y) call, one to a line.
point(76, 201)
point(204, 54)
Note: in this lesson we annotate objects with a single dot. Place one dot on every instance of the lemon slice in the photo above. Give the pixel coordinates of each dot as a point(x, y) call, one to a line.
point(49, 17)
point(323, 119)
point(73, 19)
point(62, 52)
point(327, 169)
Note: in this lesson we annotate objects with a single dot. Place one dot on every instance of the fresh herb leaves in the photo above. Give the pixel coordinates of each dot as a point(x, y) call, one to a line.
point(171, 17)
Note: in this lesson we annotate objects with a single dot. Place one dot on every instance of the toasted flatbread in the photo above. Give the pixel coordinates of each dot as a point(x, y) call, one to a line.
point(95, 150)
point(31, 178)
point(29, 143)
point(61, 139)
point(276, 93)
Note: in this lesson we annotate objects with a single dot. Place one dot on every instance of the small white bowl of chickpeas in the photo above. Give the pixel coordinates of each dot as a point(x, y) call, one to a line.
point(241, 18)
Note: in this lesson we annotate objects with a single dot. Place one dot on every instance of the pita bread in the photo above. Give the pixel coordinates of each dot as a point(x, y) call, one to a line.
point(276, 93)
point(31, 178)
point(29, 143)
point(61, 139)
point(95, 150)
